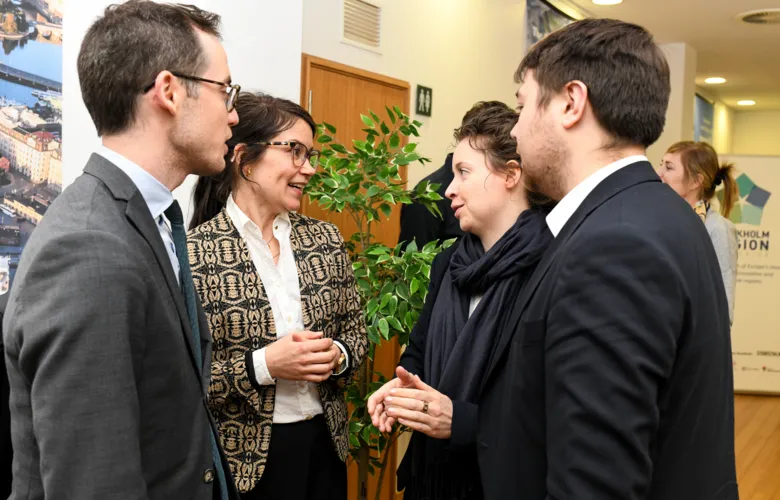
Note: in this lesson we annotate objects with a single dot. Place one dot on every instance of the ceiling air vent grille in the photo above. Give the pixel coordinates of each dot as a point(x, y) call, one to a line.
point(761, 16)
point(362, 22)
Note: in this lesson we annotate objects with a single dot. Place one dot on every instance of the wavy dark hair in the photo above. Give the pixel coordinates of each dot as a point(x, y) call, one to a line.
point(261, 118)
point(487, 126)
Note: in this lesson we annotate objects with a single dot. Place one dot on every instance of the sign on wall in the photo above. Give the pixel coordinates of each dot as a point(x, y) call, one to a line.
point(30, 123)
point(424, 100)
point(541, 19)
point(755, 334)
point(703, 119)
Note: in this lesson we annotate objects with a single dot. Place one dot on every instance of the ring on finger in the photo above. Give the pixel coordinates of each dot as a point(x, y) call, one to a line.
point(425, 407)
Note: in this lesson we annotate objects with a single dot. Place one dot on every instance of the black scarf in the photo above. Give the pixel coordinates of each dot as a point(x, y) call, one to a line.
point(458, 347)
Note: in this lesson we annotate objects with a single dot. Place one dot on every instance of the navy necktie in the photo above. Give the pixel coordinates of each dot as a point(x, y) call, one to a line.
point(174, 215)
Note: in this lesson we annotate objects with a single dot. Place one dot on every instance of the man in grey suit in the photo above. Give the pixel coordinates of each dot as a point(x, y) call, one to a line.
point(107, 348)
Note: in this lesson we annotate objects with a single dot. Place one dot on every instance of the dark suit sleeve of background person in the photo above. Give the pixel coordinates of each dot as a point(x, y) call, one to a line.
point(79, 308)
point(6, 452)
point(419, 224)
point(611, 341)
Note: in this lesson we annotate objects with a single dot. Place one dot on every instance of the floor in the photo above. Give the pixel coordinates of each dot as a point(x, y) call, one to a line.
point(757, 445)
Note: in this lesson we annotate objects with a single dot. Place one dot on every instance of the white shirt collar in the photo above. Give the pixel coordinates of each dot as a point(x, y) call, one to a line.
point(242, 221)
point(157, 197)
point(563, 211)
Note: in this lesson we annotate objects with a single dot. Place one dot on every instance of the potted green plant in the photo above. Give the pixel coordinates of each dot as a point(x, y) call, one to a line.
point(365, 182)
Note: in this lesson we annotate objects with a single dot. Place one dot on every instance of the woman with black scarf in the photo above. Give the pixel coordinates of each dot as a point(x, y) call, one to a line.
point(473, 285)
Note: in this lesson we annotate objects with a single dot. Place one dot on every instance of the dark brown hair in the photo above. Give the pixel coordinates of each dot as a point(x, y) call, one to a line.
point(487, 126)
point(261, 117)
point(125, 50)
point(700, 159)
point(626, 73)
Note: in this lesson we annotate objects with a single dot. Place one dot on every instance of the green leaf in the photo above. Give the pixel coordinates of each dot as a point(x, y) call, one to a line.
point(386, 209)
point(324, 139)
point(399, 112)
point(339, 148)
point(372, 191)
point(392, 306)
point(415, 123)
point(384, 328)
point(387, 288)
point(330, 182)
point(395, 141)
point(372, 335)
point(353, 440)
point(368, 121)
point(409, 148)
point(412, 246)
point(385, 300)
point(414, 286)
point(402, 289)
point(330, 127)
point(390, 114)
point(385, 128)
point(405, 130)
point(388, 197)
point(395, 324)
point(374, 116)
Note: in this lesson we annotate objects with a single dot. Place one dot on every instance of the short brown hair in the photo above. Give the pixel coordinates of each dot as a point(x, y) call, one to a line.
point(626, 73)
point(487, 126)
point(700, 159)
point(129, 46)
point(261, 117)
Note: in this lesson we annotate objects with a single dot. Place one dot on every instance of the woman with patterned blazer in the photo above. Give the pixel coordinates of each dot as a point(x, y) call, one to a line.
point(284, 312)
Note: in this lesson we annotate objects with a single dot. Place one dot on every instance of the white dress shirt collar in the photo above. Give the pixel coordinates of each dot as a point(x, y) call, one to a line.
point(157, 197)
point(563, 211)
point(282, 224)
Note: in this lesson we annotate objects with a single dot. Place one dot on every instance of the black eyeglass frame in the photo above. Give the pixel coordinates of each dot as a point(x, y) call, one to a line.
point(294, 144)
point(232, 92)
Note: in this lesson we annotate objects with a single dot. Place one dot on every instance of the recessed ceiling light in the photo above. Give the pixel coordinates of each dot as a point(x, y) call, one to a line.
point(715, 80)
point(607, 2)
point(746, 102)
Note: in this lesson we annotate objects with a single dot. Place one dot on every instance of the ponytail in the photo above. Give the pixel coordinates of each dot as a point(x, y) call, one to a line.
point(211, 194)
point(730, 189)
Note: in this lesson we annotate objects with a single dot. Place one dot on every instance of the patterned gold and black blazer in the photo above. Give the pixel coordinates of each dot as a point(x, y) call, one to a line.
point(241, 321)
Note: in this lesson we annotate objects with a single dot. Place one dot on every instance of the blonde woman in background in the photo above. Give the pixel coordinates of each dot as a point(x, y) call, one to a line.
point(692, 169)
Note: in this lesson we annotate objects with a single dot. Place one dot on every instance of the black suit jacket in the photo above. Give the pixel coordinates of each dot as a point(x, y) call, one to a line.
point(613, 378)
point(107, 400)
point(418, 224)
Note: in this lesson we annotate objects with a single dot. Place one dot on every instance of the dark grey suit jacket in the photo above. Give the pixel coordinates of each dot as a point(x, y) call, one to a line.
point(106, 398)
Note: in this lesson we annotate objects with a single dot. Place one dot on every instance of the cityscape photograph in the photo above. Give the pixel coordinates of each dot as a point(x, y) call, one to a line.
point(30, 122)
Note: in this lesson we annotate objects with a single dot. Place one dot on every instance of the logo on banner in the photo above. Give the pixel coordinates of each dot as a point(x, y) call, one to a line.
point(752, 201)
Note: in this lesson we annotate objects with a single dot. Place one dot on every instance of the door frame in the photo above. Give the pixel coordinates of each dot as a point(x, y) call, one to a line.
point(308, 62)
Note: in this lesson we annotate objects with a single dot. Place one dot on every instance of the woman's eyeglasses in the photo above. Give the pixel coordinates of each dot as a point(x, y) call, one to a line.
point(300, 153)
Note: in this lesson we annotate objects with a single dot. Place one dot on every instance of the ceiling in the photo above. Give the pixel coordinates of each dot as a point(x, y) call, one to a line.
point(745, 54)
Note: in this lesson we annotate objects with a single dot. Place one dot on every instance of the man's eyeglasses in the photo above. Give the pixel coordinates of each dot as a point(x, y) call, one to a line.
point(231, 90)
point(300, 153)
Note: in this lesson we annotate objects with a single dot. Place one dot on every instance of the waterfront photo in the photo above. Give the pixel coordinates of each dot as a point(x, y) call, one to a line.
point(30, 122)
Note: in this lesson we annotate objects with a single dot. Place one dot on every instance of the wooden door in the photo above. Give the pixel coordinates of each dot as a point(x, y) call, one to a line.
point(339, 94)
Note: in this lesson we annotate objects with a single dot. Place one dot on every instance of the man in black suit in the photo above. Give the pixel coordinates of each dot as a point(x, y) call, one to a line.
point(107, 349)
point(419, 224)
point(613, 378)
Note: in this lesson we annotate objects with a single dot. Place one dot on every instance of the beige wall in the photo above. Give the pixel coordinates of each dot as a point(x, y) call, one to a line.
point(465, 51)
point(757, 133)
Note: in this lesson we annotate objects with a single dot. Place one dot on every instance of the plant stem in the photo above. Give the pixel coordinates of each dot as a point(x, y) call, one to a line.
point(382, 471)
